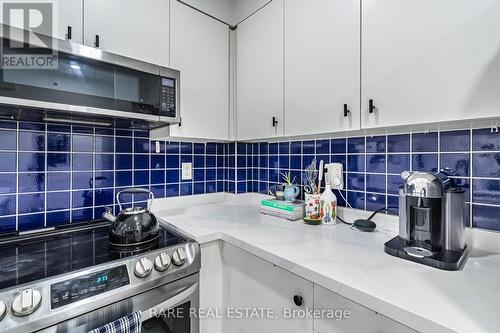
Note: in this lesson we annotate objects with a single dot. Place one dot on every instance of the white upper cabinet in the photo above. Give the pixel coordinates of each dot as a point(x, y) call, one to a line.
point(199, 48)
point(137, 29)
point(259, 74)
point(68, 20)
point(430, 61)
point(322, 51)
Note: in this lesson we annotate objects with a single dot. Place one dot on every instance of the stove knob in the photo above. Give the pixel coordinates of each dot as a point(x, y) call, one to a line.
point(143, 267)
point(162, 262)
point(179, 257)
point(3, 310)
point(26, 302)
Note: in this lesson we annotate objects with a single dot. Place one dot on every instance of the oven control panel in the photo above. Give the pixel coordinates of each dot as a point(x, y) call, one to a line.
point(81, 287)
point(167, 97)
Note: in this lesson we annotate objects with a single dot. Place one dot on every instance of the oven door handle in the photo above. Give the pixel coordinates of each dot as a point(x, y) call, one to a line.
point(169, 303)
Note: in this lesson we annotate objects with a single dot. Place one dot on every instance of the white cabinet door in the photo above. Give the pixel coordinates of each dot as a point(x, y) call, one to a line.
point(68, 20)
point(250, 282)
point(429, 61)
point(322, 51)
point(136, 29)
point(259, 73)
point(211, 286)
point(349, 317)
point(199, 48)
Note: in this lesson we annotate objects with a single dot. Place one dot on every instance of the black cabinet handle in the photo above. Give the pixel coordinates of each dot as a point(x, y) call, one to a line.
point(371, 106)
point(96, 43)
point(69, 33)
point(275, 121)
point(346, 110)
point(298, 300)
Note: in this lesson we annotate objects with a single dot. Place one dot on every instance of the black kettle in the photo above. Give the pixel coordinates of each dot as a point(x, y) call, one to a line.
point(134, 225)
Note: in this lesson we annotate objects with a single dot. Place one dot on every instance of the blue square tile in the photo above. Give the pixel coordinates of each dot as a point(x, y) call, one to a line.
point(104, 131)
point(82, 199)
point(31, 141)
point(7, 224)
point(356, 163)
point(241, 187)
point(83, 129)
point(123, 145)
point(424, 162)
point(172, 190)
point(241, 148)
point(186, 189)
point(7, 183)
point(284, 162)
point(307, 160)
point(186, 148)
point(241, 174)
point(486, 191)
point(211, 161)
point(31, 182)
point(355, 181)
point(58, 181)
point(8, 140)
point(296, 147)
point(375, 144)
point(324, 158)
point(398, 143)
point(31, 162)
point(398, 163)
point(105, 162)
point(199, 148)
point(172, 176)
point(172, 147)
point(356, 199)
point(59, 128)
point(199, 161)
point(32, 126)
point(211, 148)
point(199, 175)
point(141, 161)
point(356, 145)
point(375, 163)
point(141, 146)
point(263, 148)
point(263, 174)
point(123, 132)
point(81, 215)
point(264, 161)
point(104, 197)
point(104, 144)
point(82, 162)
point(199, 188)
point(31, 222)
point(308, 147)
point(157, 161)
point(295, 162)
point(104, 179)
point(486, 165)
point(31, 203)
point(375, 201)
point(484, 140)
point(338, 146)
point(393, 184)
point(284, 148)
point(141, 133)
point(393, 204)
point(123, 161)
point(425, 142)
point(7, 205)
point(157, 176)
point(455, 141)
point(486, 217)
point(58, 200)
point(375, 183)
point(58, 161)
point(187, 159)
point(274, 161)
point(158, 191)
point(322, 146)
point(58, 142)
point(340, 159)
point(83, 143)
point(456, 164)
point(141, 177)
point(274, 148)
point(58, 218)
point(211, 174)
point(8, 124)
point(82, 180)
point(211, 187)
point(172, 161)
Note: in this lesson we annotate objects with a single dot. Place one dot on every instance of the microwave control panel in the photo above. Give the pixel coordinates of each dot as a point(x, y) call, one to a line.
point(167, 97)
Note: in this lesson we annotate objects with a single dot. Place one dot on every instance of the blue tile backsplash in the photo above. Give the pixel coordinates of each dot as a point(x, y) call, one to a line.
point(372, 166)
point(56, 174)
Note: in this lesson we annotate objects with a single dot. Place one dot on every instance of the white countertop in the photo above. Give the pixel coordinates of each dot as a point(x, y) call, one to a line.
point(351, 263)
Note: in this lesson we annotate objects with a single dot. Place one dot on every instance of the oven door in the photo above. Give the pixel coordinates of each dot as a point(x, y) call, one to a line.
point(163, 309)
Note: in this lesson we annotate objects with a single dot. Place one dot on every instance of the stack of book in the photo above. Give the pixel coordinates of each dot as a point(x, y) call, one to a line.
point(289, 210)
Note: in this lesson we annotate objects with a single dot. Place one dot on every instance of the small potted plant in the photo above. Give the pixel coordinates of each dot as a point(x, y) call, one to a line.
point(291, 190)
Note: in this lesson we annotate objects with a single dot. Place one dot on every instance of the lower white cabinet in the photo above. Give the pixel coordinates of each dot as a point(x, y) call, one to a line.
point(250, 282)
point(360, 319)
point(211, 286)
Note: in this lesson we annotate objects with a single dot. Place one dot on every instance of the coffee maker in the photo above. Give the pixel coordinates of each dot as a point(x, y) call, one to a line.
point(431, 221)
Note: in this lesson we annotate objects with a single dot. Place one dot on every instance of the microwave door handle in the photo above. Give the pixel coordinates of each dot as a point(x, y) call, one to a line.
point(169, 303)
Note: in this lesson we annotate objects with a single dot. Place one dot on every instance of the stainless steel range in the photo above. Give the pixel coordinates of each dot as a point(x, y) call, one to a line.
point(72, 280)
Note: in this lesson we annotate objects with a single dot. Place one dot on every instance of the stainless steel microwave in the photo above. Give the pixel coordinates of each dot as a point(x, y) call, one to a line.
point(82, 84)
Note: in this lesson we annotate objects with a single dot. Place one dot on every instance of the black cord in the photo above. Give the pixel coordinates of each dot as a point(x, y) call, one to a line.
point(387, 210)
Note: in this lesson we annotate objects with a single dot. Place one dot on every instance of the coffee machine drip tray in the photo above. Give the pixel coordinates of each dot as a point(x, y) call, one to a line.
point(445, 259)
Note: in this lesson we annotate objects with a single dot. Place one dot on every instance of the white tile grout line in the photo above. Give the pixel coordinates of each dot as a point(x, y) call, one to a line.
point(17, 177)
point(471, 181)
point(45, 177)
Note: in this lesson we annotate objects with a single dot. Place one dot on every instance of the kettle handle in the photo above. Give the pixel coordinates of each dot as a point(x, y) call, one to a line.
point(135, 191)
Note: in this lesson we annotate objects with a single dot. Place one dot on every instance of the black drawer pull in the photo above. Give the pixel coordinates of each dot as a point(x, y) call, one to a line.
point(69, 33)
point(346, 111)
point(371, 106)
point(275, 122)
point(96, 43)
